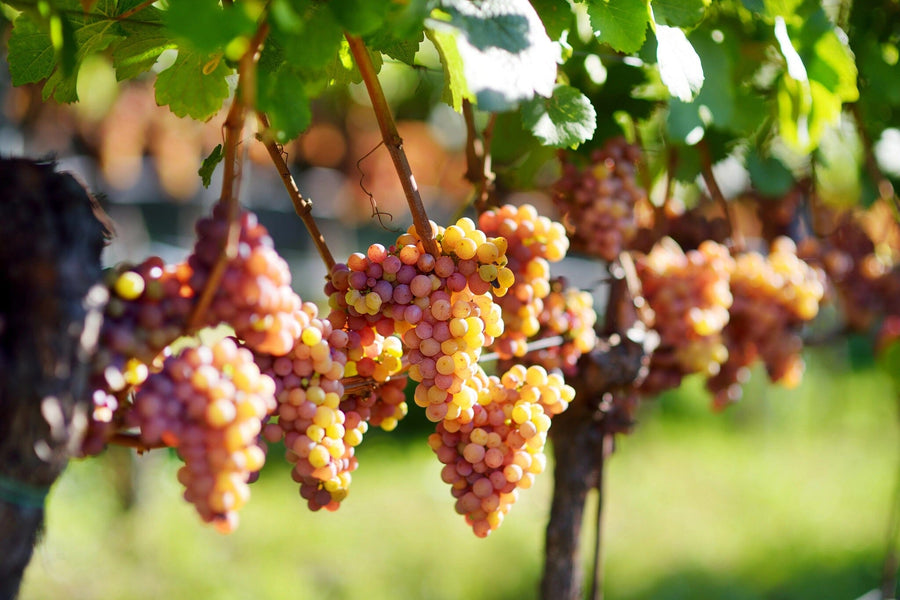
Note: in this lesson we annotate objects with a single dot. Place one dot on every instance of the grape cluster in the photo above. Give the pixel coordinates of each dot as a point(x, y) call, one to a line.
point(598, 201)
point(148, 309)
point(208, 402)
point(439, 305)
point(254, 295)
point(859, 279)
point(689, 295)
point(773, 296)
point(500, 450)
point(318, 435)
point(567, 312)
point(533, 242)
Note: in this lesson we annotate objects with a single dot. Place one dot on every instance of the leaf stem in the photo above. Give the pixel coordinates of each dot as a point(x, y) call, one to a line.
point(718, 197)
point(393, 142)
point(231, 175)
point(302, 206)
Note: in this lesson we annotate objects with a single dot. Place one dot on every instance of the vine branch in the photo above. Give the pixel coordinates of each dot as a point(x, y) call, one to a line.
point(231, 175)
point(882, 183)
point(718, 197)
point(478, 157)
point(302, 206)
point(393, 141)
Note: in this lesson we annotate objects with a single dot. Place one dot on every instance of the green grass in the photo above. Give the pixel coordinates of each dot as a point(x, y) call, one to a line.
point(784, 496)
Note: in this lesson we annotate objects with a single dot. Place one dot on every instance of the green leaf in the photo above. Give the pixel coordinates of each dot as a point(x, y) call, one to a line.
point(282, 96)
point(769, 175)
point(820, 76)
point(403, 49)
point(209, 165)
point(556, 15)
point(455, 87)
point(620, 23)
point(360, 17)
point(208, 27)
point(194, 86)
point(37, 53)
point(316, 44)
point(827, 59)
point(506, 55)
point(31, 55)
point(679, 66)
point(684, 123)
point(143, 44)
point(678, 13)
point(566, 119)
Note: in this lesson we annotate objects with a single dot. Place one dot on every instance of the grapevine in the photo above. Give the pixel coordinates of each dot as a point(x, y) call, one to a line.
point(645, 192)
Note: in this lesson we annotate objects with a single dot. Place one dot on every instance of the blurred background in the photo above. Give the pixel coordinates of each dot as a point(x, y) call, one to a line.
point(786, 495)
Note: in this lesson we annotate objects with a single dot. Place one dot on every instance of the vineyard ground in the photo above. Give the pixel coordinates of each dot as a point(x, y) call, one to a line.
point(785, 496)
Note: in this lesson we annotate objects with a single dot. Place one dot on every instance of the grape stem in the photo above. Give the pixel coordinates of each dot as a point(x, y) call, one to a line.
point(302, 206)
point(234, 127)
point(715, 191)
point(478, 157)
point(393, 142)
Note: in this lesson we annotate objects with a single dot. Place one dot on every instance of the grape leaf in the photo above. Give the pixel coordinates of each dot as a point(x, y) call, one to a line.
point(506, 55)
point(31, 55)
point(209, 165)
point(194, 86)
point(678, 13)
point(318, 41)
point(769, 175)
point(208, 27)
point(36, 54)
point(402, 49)
point(143, 43)
point(360, 17)
point(556, 15)
point(820, 75)
point(679, 65)
point(455, 88)
point(683, 122)
point(620, 23)
point(282, 96)
point(566, 119)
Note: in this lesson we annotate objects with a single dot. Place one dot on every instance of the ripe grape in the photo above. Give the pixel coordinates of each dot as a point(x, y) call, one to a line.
point(254, 295)
point(533, 241)
point(318, 435)
point(208, 403)
point(773, 296)
point(597, 201)
point(689, 296)
point(488, 459)
point(148, 309)
point(567, 312)
point(439, 306)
